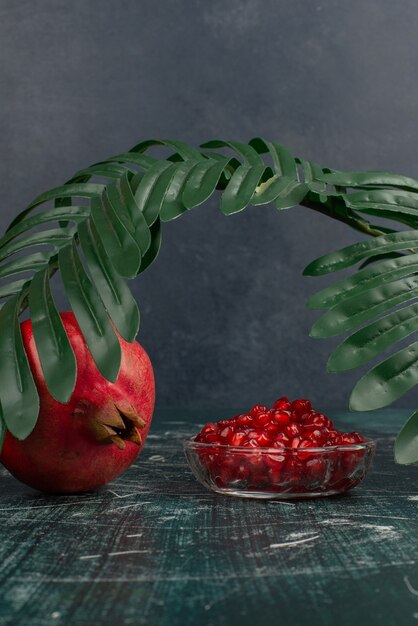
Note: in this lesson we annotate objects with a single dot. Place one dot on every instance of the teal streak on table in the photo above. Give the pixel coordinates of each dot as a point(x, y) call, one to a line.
point(156, 548)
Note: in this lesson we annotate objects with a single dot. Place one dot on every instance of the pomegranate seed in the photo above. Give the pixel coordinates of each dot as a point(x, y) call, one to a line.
point(257, 409)
point(225, 434)
point(261, 419)
point(245, 420)
point(293, 429)
point(209, 428)
point(283, 439)
point(237, 438)
point(210, 438)
point(307, 443)
point(275, 461)
point(272, 430)
point(251, 443)
point(282, 404)
point(316, 469)
point(281, 417)
point(301, 406)
point(295, 442)
point(279, 444)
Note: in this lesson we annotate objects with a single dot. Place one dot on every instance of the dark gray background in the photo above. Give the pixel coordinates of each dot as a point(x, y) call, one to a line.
point(223, 309)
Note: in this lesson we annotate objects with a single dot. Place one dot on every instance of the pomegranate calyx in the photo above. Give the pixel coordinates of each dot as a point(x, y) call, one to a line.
point(117, 424)
point(130, 413)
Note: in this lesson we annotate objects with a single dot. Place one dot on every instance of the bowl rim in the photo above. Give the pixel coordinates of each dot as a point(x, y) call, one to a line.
point(190, 443)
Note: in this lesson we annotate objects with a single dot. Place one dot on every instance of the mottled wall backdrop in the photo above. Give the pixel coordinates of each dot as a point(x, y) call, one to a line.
point(223, 308)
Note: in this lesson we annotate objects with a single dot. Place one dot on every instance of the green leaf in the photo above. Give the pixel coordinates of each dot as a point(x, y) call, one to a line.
point(361, 179)
point(83, 190)
point(79, 190)
point(351, 255)
point(381, 257)
point(34, 261)
point(355, 311)
point(55, 352)
point(90, 313)
point(202, 182)
point(373, 339)
point(241, 188)
point(173, 205)
point(113, 290)
point(387, 382)
point(12, 288)
point(18, 394)
point(270, 189)
point(379, 274)
point(143, 160)
point(185, 151)
point(283, 160)
point(125, 197)
point(68, 213)
point(151, 191)
point(313, 174)
point(55, 238)
point(154, 248)
point(247, 153)
point(291, 195)
point(406, 443)
point(110, 170)
point(118, 241)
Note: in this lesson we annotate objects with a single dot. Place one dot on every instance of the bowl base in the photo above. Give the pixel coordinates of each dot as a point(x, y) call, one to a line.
point(274, 495)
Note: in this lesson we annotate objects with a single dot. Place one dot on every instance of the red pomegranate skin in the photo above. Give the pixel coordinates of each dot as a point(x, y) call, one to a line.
point(63, 453)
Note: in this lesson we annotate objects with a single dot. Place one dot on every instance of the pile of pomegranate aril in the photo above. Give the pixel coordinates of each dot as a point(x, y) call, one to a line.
point(288, 447)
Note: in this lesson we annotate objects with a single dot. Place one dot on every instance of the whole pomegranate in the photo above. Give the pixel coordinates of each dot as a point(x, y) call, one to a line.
point(86, 443)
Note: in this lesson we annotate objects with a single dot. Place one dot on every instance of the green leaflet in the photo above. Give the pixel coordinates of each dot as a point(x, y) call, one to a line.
point(241, 188)
point(202, 182)
point(80, 190)
point(109, 170)
point(313, 174)
point(354, 311)
point(33, 261)
point(173, 205)
point(283, 160)
point(150, 193)
point(56, 238)
point(185, 151)
point(406, 444)
point(90, 313)
point(143, 160)
point(68, 213)
point(387, 382)
point(292, 195)
point(123, 196)
point(373, 276)
point(250, 156)
point(351, 255)
point(361, 179)
point(55, 352)
point(113, 290)
point(154, 248)
point(12, 288)
point(373, 339)
point(18, 394)
point(118, 241)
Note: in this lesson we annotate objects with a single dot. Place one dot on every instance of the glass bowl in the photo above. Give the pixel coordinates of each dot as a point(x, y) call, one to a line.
point(279, 473)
